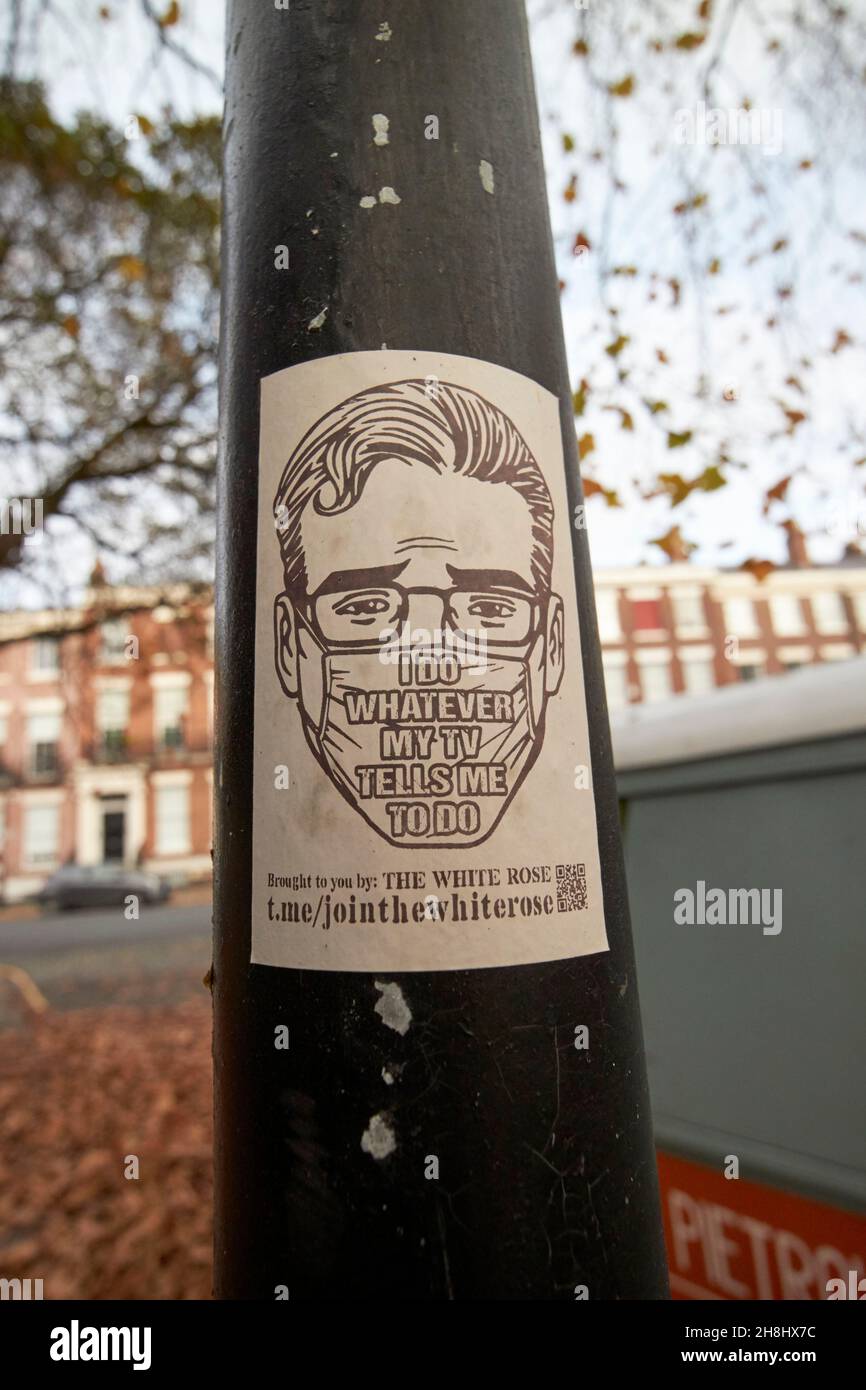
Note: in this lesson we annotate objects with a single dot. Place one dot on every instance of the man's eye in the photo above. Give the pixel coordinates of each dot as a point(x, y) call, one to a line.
point(363, 606)
point(491, 608)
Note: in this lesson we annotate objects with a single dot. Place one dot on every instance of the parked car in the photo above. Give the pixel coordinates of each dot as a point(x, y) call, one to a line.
point(101, 885)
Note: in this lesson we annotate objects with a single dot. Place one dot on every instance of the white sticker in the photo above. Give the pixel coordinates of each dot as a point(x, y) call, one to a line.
point(422, 796)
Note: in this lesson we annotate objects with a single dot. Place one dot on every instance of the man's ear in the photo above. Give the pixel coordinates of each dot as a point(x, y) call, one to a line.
point(555, 645)
point(286, 645)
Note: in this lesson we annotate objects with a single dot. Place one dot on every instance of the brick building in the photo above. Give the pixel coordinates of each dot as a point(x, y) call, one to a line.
point(106, 735)
point(106, 711)
point(683, 629)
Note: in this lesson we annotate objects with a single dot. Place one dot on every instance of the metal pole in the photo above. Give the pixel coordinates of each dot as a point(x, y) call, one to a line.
point(544, 1182)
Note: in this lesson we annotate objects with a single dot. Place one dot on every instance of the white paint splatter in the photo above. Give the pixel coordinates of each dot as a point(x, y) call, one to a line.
point(368, 201)
point(392, 1007)
point(387, 195)
point(485, 169)
point(378, 1138)
point(380, 129)
point(387, 1077)
point(318, 322)
point(334, 154)
point(385, 32)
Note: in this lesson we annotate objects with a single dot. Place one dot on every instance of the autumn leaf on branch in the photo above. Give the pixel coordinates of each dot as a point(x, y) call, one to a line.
point(678, 488)
point(777, 493)
point(579, 397)
point(615, 348)
point(625, 419)
point(674, 545)
point(759, 569)
point(593, 489)
point(623, 88)
point(794, 417)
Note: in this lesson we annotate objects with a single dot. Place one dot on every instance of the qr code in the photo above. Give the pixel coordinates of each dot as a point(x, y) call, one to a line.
point(571, 887)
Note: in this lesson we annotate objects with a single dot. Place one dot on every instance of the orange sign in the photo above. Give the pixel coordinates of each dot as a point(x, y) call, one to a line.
point(732, 1239)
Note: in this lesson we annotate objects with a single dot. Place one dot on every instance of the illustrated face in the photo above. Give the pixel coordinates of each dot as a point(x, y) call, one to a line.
point(422, 653)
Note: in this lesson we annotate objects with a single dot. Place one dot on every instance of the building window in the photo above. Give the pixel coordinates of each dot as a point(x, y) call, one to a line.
point(112, 718)
point(172, 820)
point(689, 611)
point(828, 610)
point(607, 607)
point(616, 685)
point(655, 679)
point(43, 736)
point(41, 835)
point(171, 708)
point(46, 655)
point(698, 673)
point(740, 619)
point(646, 615)
point(786, 615)
point(113, 635)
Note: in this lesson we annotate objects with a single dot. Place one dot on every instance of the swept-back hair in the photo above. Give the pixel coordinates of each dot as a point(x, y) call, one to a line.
point(445, 427)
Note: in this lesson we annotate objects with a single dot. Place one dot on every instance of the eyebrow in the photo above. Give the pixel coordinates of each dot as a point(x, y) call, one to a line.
point(426, 543)
point(340, 580)
point(489, 579)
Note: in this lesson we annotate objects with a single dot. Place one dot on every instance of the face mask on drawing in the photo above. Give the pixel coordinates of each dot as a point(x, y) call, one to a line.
point(429, 748)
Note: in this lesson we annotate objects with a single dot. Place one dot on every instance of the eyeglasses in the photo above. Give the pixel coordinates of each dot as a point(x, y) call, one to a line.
point(363, 616)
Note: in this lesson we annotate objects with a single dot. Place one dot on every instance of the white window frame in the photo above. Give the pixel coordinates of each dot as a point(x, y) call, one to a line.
point(162, 788)
point(112, 652)
point(786, 614)
point(659, 660)
point(829, 624)
point(176, 681)
point(735, 604)
point(607, 612)
point(37, 671)
point(690, 659)
point(685, 626)
point(48, 859)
